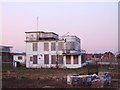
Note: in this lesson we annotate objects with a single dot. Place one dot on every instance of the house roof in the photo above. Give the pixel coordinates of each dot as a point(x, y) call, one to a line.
point(18, 53)
point(41, 32)
point(5, 48)
point(2, 46)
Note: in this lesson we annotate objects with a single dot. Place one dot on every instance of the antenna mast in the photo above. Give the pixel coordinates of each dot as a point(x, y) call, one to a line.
point(37, 22)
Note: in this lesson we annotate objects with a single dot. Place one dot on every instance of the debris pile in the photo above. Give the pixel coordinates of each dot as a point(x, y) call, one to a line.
point(101, 80)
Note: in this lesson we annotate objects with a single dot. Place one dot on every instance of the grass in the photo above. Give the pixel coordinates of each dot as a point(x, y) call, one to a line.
point(9, 70)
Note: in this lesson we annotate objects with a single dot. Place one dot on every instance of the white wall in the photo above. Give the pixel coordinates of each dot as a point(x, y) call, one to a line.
point(15, 58)
point(40, 53)
point(73, 65)
point(31, 36)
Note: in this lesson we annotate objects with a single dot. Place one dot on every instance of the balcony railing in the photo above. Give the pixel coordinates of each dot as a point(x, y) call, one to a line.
point(70, 52)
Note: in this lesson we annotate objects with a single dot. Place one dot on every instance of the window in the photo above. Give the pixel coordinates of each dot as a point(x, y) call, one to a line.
point(31, 58)
point(46, 46)
point(35, 46)
point(60, 59)
point(60, 46)
point(53, 59)
point(68, 59)
point(53, 46)
point(34, 59)
point(71, 45)
point(75, 58)
point(46, 59)
point(19, 57)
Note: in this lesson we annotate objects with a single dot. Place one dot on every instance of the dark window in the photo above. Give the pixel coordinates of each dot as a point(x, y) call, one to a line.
point(19, 57)
point(68, 59)
point(46, 46)
point(35, 46)
point(53, 46)
point(46, 59)
point(31, 58)
point(53, 59)
point(34, 59)
point(60, 46)
point(75, 59)
point(60, 59)
point(71, 45)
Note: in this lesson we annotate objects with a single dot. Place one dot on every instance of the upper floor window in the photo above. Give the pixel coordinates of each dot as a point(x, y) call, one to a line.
point(60, 46)
point(46, 46)
point(35, 46)
point(53, 46)
point(71, 45)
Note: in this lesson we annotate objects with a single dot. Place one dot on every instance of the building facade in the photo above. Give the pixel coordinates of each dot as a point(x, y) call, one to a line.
point(19, 59)
point(47, 50)
point(5, 55)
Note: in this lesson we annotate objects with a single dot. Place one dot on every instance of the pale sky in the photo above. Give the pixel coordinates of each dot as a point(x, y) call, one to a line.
point(95, 23)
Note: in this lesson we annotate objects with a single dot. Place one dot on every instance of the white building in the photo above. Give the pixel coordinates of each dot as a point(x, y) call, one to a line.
point(46, 50)
point(19, 59)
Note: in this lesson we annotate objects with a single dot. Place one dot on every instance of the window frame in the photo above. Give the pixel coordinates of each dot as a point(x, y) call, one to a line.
point(53, 46)
point(46, 58)
point(68, 59)
point(74, 59)
point(46, 46)
point(35, 59)
point(52, 59)
point(19, 57)
point(34, 46)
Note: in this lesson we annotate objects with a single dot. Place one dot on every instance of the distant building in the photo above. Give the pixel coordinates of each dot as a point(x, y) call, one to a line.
point(89, 56)
point(98, 56)
point(5, 55)
point(108, 55)
point(118, 56)
point(83, 56)
point(46, 50)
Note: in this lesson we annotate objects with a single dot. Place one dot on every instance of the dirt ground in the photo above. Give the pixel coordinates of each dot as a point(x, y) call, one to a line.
point(38, 78)
point(24, 82)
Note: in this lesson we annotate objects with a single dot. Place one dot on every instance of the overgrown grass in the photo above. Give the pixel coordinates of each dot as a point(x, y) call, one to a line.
point(22, 71)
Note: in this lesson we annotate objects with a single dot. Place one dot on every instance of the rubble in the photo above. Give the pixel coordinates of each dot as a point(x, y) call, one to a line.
point(101, 80)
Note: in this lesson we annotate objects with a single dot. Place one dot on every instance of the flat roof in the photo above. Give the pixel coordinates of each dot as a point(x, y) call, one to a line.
point(6, 46)
point(14, 53)
point(70, 36)
point(41, 40)
point(40, 32)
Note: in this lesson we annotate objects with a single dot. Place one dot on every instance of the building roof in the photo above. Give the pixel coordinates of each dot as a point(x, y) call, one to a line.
point(41, 32)
point(2, 46)
point(42, 40)
point(14, 53)
point(5, 48)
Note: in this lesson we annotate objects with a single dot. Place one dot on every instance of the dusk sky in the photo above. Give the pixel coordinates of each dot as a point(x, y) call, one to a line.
point(95, 23)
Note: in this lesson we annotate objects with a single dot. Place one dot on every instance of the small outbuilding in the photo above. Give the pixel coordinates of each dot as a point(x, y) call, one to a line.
point(19, 59)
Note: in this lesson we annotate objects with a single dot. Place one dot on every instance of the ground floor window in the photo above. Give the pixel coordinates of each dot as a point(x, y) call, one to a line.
point(34, 59)
point(46, 59)
point(53, 59)
point(68, 59)
point(75, 59)
point(31, 59)
point(60, 59)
